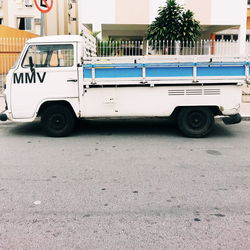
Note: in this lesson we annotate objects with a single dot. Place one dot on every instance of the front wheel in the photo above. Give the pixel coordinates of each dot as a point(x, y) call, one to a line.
point(195, 122)
point(57, 121)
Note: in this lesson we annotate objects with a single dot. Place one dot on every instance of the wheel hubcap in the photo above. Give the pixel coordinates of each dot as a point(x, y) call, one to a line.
point(197, 120)
point(57, 122)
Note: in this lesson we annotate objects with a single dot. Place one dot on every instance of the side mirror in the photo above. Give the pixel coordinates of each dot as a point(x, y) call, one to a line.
point(31, 64)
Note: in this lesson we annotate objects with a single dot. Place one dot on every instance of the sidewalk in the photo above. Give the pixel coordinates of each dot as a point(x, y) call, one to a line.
point(245, 111)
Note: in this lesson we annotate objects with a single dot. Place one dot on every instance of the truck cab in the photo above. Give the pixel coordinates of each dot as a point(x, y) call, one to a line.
point(47, 72)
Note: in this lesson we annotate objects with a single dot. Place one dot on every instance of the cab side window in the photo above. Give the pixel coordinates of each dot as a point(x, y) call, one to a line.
point(44, 56)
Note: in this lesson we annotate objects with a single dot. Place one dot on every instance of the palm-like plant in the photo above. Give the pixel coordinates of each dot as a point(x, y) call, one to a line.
point(173, 23)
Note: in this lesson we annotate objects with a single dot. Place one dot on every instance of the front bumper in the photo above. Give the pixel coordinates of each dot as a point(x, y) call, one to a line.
point(4, 115)
point(232, 119)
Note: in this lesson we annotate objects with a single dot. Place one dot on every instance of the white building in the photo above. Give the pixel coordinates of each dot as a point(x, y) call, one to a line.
point(23, 14)
point(63, 18)
point(20, 14)
point(129, 18)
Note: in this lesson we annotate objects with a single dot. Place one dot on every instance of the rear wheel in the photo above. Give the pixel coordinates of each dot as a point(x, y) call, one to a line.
point(195, 122)
point(57, 121)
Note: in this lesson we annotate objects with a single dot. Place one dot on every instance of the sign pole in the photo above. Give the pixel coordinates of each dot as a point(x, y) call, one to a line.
point(42, 24)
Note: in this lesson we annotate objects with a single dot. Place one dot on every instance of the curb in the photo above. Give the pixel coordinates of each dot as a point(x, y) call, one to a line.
point(245, 118)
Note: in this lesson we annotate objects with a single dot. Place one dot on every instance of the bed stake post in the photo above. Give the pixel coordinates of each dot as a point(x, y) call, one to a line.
point(93, 74)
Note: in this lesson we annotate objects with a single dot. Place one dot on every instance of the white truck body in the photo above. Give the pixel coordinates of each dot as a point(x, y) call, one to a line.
point(67, 72)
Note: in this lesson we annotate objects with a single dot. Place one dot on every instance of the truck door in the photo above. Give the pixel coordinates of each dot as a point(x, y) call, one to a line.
point(46, 72)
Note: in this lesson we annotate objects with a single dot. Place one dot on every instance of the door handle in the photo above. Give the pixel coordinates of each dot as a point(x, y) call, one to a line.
point(72, 80)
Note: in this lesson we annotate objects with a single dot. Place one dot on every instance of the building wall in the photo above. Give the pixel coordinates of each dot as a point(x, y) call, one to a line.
point(129, 12)
point(208, 12)
point(202, 10)
point(12, 9)
point(4, 11)
point(217, 12)
point(228, 12)
point(63, 18)
point(220, 13)
point(96, 12)
point(118, 12)
point(59, 21)
point(73, 19)
point(56, 18)
point(99, 13)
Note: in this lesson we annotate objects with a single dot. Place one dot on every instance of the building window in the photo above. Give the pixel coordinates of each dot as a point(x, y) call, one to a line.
point(218, 37)
point(235, 37)
point(24, 23)
point(1, 20)
point(226, 37)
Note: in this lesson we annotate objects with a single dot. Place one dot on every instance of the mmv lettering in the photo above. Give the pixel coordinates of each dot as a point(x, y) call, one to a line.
point(34, 77)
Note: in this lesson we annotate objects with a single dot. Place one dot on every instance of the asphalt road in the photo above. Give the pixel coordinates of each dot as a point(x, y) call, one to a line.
point(124, 185)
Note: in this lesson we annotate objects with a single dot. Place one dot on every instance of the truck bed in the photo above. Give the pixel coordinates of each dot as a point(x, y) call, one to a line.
point(168, 70)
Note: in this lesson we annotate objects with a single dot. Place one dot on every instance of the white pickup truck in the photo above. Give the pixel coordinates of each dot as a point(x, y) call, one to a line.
point(60, 79)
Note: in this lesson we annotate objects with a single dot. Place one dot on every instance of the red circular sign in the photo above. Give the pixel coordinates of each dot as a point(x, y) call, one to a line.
point(43, 5)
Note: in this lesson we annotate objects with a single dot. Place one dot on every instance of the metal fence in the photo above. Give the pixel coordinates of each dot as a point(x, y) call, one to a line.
point(202, 47)
point(10, 49)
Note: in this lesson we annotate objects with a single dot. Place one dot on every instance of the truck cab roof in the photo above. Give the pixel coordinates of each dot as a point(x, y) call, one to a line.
point(56, 39)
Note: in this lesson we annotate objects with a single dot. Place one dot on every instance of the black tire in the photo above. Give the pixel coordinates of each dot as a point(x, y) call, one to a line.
point(195, 122)
point(57, 121)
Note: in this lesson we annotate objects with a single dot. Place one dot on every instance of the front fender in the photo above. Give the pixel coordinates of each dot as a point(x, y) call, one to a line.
point(73, 102)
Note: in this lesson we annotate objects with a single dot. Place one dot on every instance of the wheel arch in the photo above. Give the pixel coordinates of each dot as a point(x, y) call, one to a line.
point(49, 103)
point(215, 110)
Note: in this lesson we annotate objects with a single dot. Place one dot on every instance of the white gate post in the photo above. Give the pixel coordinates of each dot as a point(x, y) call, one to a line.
point(243, 32)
